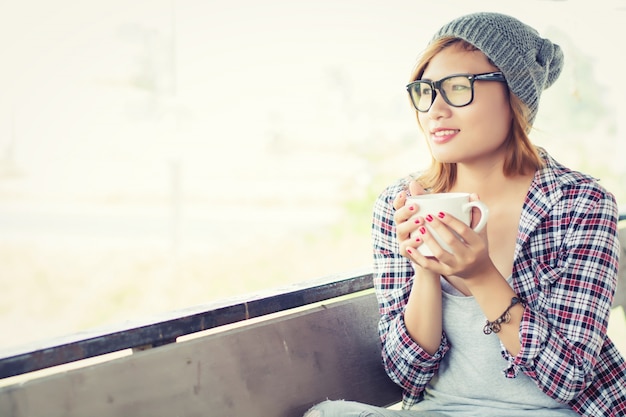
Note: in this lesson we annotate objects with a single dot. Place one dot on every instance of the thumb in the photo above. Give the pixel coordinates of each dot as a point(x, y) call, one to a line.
point(415, 188)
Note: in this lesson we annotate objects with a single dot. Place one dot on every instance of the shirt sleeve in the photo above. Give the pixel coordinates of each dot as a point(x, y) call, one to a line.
point(564, 325)
point(405, 361)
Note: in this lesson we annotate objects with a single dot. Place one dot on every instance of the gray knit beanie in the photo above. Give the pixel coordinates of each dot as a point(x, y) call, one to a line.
point(529, 62)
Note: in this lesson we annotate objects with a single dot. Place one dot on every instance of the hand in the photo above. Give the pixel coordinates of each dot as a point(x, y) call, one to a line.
point(469, 257)
point(401, 217)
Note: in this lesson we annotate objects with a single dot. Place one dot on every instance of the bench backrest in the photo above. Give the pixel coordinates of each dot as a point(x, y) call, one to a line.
point(276, 367)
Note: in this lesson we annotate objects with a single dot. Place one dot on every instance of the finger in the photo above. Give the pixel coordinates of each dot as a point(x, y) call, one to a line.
point(429, 240)
point(403, 211)
point(429, 263)
point(400, 200)
point(453, 224)
point(407, 230)
point(412, 251)
point(416, 188)
point(453, 231)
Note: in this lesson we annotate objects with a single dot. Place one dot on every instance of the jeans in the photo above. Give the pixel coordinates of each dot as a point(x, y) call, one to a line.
point(354, 409)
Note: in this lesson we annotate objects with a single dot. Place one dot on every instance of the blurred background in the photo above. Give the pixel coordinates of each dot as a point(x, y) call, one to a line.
point(156, 155)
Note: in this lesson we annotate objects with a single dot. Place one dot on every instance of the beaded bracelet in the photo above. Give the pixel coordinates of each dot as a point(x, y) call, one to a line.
point(496, 325)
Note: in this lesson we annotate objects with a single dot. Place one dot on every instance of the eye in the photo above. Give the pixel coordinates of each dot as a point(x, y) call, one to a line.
point(459, 87)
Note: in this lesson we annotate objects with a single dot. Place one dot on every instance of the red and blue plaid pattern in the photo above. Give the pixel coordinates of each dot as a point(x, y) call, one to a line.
point(566, 262)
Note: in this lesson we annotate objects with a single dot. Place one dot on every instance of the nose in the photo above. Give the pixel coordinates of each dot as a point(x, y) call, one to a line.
point(439, 108)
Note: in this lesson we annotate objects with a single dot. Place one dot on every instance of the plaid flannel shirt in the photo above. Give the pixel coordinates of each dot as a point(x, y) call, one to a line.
point(565, 265)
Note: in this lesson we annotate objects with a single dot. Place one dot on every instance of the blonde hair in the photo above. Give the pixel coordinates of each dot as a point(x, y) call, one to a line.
point(522, 156)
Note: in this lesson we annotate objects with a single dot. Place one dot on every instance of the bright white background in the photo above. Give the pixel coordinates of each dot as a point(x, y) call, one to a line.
point(159, 154)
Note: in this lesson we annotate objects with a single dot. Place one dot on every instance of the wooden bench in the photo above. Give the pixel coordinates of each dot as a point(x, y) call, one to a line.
point(273, 355)
point(270, 355)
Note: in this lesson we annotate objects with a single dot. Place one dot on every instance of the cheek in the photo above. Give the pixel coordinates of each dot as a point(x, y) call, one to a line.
point(501, 108)
point(487, 127)
point(497, 115)
point(502, 118)
point(494, 100)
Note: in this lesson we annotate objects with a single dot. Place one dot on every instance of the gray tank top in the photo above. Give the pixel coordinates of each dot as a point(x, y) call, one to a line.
point(470, 380)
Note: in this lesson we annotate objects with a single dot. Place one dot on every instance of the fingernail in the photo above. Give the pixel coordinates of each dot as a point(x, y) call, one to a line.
point(417, 221)
point(411, 208)
point(429, 218)
point(410, 251)
point(441, 215)
point(423, 230)
point(418, 240)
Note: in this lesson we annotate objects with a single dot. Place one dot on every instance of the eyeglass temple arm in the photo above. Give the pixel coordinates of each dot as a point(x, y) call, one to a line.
point(492, 76)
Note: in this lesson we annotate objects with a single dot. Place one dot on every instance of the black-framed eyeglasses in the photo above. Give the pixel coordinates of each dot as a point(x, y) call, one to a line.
point(457, 90)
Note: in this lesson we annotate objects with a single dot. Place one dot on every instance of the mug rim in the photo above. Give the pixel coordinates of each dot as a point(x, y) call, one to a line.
point(434, 196)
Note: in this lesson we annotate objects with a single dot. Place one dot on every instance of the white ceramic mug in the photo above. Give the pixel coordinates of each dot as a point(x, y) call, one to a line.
point(456, 204)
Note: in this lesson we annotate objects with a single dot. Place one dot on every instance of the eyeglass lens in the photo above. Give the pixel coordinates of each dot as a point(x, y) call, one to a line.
point(456, 91)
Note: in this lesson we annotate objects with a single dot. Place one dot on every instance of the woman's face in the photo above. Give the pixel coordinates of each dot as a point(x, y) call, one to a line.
point(474, 133)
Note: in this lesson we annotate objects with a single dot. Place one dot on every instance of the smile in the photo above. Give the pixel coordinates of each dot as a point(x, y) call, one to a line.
point(448, 132)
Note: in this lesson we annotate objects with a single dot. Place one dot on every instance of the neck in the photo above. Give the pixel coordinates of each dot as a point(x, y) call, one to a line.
point(489, 182)
point(483, 181)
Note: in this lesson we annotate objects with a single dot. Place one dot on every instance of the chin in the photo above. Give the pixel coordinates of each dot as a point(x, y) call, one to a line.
point(446, 158)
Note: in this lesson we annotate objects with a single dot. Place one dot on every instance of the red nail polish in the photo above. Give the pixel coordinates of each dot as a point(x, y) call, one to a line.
point(429, 218)
point(417, 221)
point(418, 240)
point(409, 251)
point(423, 230)
point(411, 208)
point(441, 215)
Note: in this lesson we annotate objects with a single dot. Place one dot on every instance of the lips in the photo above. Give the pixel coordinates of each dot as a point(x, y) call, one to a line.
point(443, 135)
point(444, 132)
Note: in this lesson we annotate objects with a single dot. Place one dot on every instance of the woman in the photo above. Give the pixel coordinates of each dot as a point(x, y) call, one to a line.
point(513, 322)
